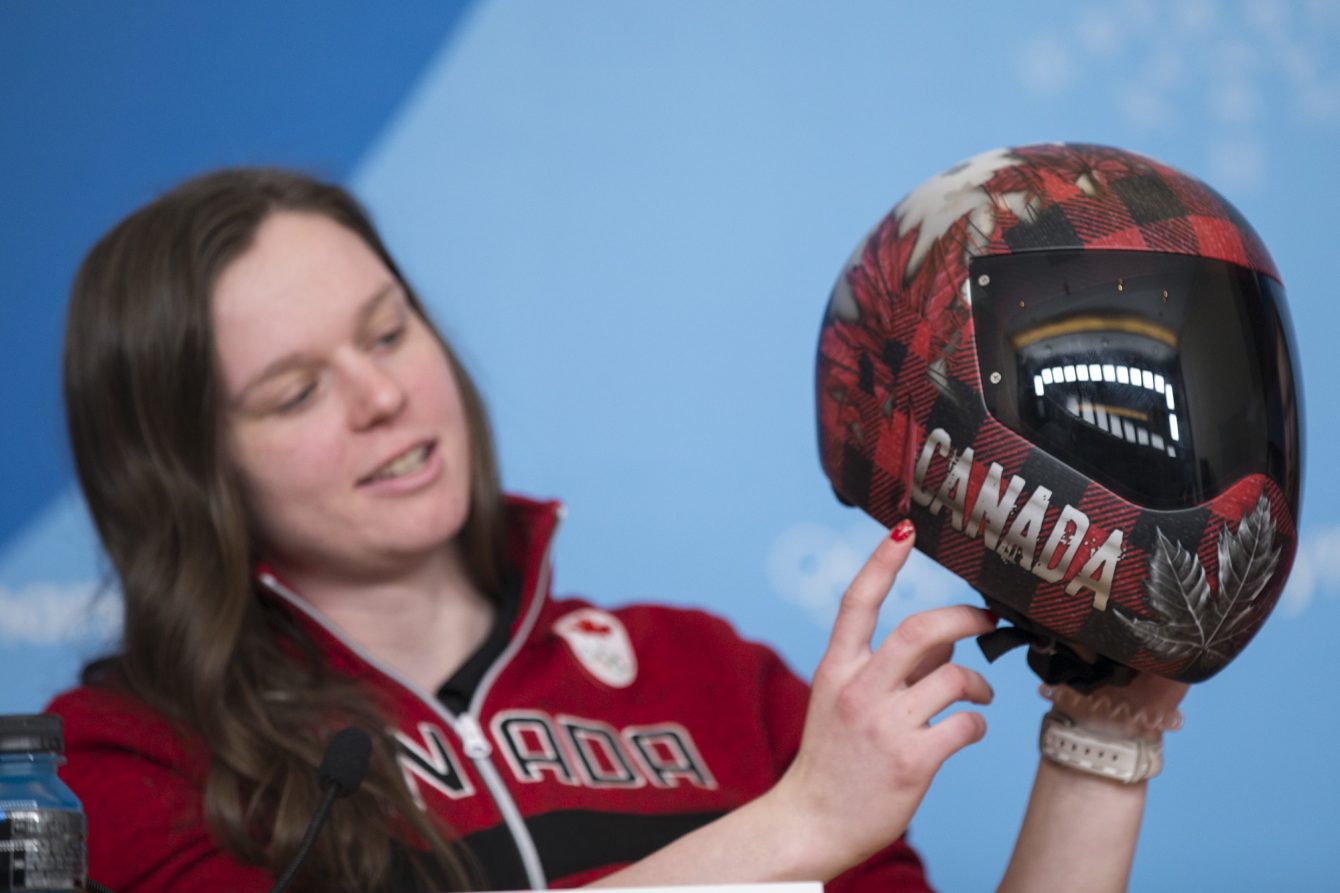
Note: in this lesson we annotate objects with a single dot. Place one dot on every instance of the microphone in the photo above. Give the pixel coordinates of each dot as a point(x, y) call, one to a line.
point(343, 766)
point(345, 761)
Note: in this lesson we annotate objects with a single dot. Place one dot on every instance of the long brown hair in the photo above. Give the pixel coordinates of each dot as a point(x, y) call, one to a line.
point(145, 414)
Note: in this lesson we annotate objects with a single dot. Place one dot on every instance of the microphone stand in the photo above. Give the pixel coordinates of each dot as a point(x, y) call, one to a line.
point(343, 766)
point(313, 828)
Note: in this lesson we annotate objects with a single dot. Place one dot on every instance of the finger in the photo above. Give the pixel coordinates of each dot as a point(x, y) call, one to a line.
point(921, 634)
point(936, 657)
point(947, 685)
point(859, 609)
point(953, 733)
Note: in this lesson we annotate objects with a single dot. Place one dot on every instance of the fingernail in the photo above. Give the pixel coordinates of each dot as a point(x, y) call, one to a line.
point(991, 615)
point(901, 531)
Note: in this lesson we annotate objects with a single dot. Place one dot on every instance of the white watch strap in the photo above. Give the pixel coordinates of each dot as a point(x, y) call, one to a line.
point(1128, 760)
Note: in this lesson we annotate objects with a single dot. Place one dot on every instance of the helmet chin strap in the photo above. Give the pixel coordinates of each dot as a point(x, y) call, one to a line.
point(1055, 662)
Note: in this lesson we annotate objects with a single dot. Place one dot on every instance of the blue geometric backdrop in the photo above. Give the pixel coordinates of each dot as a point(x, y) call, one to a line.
point(628, 217)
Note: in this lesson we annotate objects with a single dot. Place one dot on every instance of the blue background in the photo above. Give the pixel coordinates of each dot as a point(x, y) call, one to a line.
point(628, 217)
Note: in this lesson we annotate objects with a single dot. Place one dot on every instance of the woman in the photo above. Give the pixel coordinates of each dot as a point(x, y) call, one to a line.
point(294, 480)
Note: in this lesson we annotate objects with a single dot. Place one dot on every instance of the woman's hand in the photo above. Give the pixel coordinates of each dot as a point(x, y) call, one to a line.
point(869, 750)
point(867, 754)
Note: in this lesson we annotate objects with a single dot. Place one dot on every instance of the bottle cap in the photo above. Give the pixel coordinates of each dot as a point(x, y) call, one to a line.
point(41, 732)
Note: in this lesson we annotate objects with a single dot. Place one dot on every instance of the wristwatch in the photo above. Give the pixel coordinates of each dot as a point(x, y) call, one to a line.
point(1127, 760)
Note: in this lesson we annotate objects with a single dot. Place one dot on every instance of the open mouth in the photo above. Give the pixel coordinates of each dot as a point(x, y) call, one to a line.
point(407, 462)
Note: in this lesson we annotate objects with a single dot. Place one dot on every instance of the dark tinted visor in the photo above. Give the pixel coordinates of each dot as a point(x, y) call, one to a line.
point(1164, 377)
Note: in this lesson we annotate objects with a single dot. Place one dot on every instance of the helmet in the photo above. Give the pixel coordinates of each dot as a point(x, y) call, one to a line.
point(1072, 368)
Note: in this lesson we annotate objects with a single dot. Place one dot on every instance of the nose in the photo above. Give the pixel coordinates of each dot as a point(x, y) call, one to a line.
point(376, 395)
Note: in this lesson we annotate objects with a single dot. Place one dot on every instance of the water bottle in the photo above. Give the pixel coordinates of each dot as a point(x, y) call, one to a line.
point(42, 826)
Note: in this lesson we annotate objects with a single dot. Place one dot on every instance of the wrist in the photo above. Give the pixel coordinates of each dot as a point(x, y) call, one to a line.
point(1106, 716)
point(813, 831)
point(789, 825)
point(1117, 757)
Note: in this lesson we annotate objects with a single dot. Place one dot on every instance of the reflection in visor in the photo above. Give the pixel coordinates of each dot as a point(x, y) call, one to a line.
point(1134, 402)
point(1164, 377)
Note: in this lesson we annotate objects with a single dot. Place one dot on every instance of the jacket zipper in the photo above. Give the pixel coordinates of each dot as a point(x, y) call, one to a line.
point(473, 740)
point(476, 744)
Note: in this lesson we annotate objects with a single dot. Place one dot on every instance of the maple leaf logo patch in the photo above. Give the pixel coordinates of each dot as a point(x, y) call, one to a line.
point(601, 645)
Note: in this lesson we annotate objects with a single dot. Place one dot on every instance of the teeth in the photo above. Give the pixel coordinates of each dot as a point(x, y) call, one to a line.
point(410, 461)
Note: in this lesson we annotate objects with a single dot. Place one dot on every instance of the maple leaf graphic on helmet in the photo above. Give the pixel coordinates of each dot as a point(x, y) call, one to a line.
point(1196, 622)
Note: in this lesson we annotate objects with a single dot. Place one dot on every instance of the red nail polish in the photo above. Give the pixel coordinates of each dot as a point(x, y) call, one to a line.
point(901, 531)
point(991, 615)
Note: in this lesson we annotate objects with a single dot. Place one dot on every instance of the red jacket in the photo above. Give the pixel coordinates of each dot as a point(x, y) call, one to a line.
point(592, 740)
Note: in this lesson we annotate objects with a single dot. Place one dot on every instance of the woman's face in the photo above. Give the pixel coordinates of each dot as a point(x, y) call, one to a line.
point(344, 419)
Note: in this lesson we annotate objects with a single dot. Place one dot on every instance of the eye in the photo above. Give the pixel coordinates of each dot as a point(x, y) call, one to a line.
point(300, 399)
point(391, 337)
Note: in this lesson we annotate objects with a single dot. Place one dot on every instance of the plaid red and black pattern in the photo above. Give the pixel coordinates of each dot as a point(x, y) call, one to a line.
point(904, 430)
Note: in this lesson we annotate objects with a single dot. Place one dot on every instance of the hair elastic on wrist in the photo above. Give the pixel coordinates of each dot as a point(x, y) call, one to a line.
point(1100, 706)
